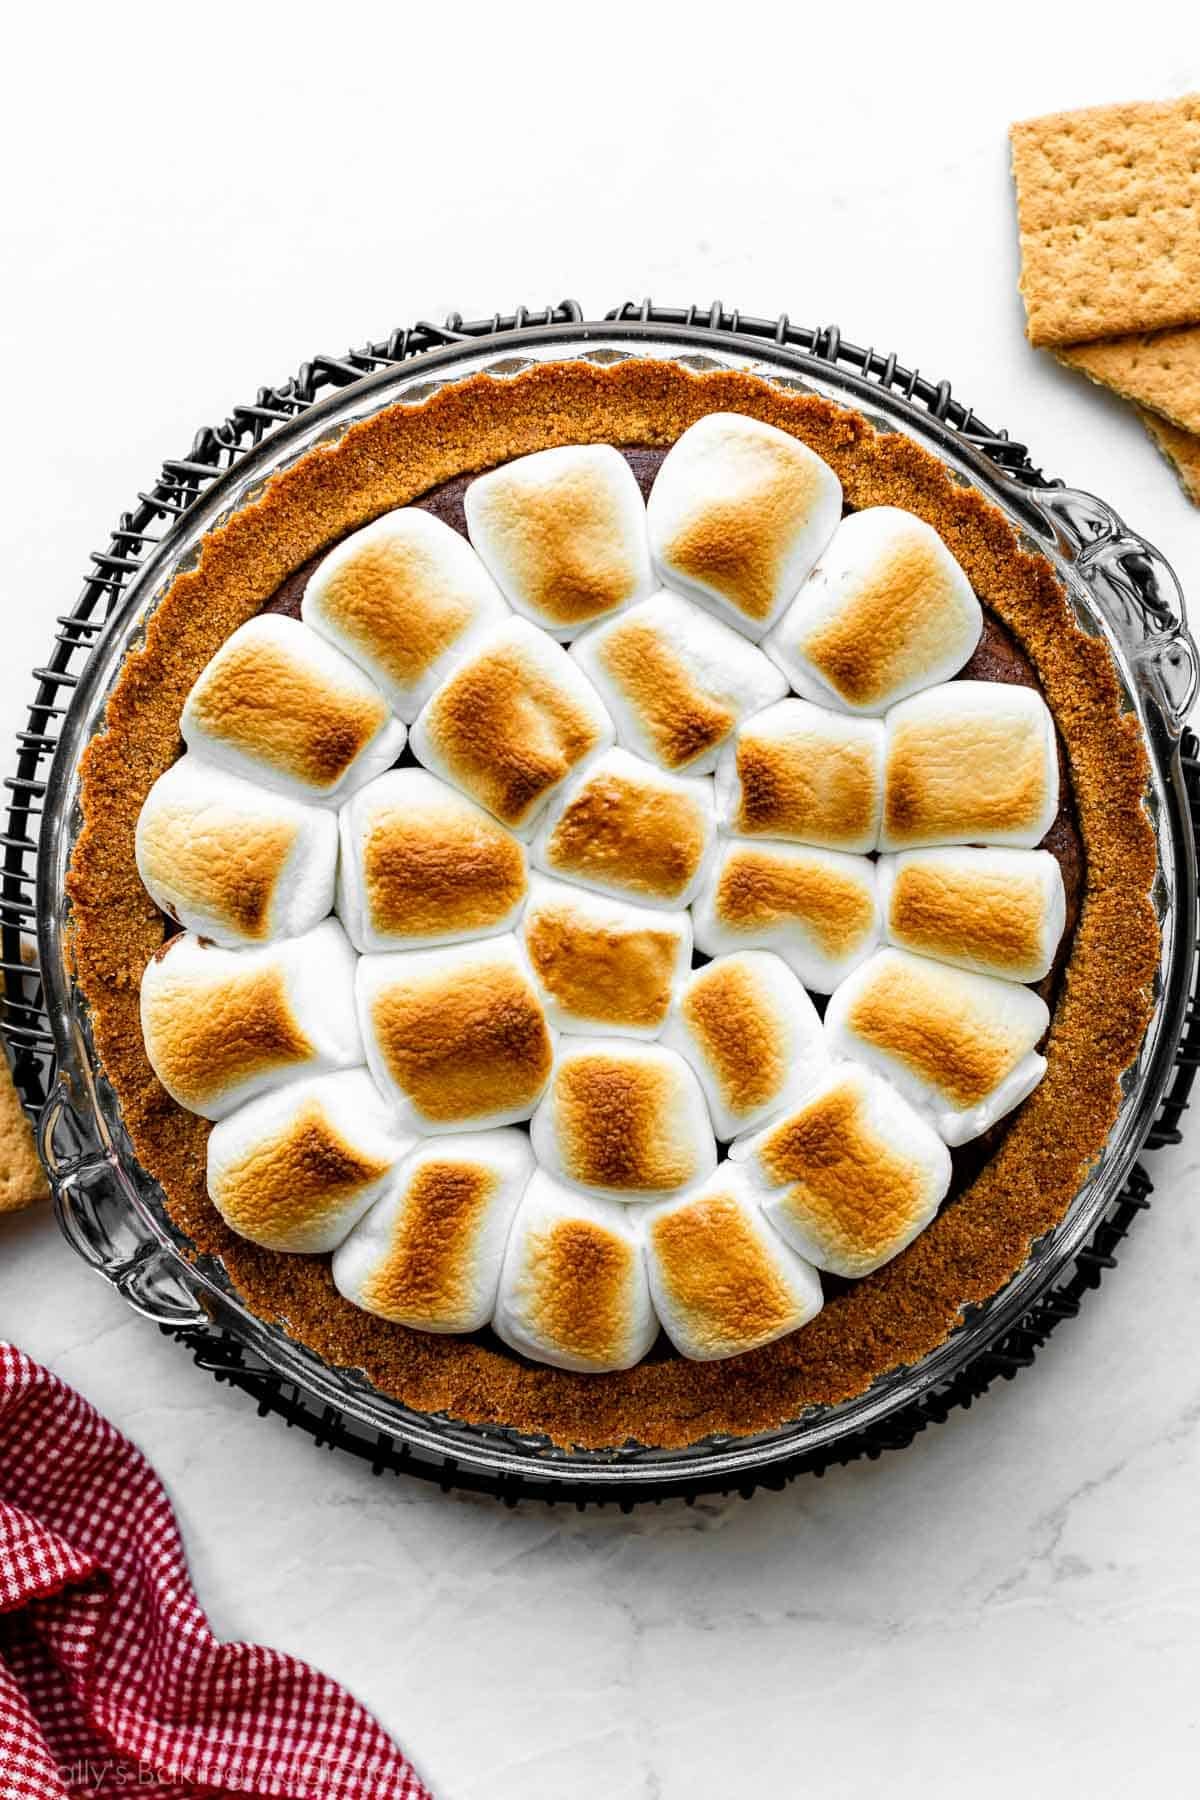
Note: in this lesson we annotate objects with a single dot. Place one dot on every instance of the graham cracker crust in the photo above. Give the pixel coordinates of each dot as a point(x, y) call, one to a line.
point(979, 1241)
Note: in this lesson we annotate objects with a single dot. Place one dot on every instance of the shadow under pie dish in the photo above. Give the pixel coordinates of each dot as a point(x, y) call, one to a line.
point(1009, 1187)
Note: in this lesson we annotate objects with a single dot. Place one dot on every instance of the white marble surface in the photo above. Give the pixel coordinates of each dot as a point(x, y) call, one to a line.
point(1013, 1603)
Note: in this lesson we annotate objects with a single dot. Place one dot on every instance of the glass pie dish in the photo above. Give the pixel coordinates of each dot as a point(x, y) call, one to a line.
point(116, 1216)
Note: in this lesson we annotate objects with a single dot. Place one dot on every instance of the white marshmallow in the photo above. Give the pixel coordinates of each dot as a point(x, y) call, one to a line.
point(959, 1046)
point(804, 774)
point(676, 680)
point(231, 860)
point(739, 513)
point(564, 534)
point(999, 912)
point(573, 1289)
point(404, 598)
point(751, 1033)
point(625, 827)
point(972, 761)
point(886, 611)
point(721, 1280)
point(295, 1169)
point(421, 864)
point(623, 1119)
point(221, 1026)
point(851, 1174)
point(280, 706)
point(604, 966)
point(816, 908)
point(428, 1254)
point(512, 722)
point(457, 1037)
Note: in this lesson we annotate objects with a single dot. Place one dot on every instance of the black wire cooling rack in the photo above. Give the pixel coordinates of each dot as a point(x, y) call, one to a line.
point(180, 484)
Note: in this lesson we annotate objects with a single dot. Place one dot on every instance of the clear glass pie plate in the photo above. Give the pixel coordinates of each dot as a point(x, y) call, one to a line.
point(114, 1214)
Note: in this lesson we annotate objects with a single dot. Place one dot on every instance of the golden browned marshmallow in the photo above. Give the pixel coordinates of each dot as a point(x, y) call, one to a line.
point(959, 1046)
point(625, 827)
point(886, 611)
point(428, 1253)
point(422, 864)
point(456, 1038)
point(675, 680)
point(233, 861)
point(624, 1119)
point(815, 908)
point(1000, 912)
point(722, 1282)
point(751, 1033)
point(512, 722)
point(295, 1169)
point(564, 534)
point(969, 762)
point(852, 1172)
point(280, 706)
point(739, 513)
point(801, 772)
point(221, 1026)
point(403, 598)
point(603, 965)
point(573, 1289)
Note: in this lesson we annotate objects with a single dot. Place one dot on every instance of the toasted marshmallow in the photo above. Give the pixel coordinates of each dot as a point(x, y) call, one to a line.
point(280, 706)
point(974, 762)
point(721, 1280)
point(564, 534)
point(422, 864)
point(675, 680)
point(428, 1253)
point(457, 1037)
point(221, 1026)
point(852, 1173)
point(752, 1035)
point(294, 1170)
point(803, 773)
point(403, 598)
point(512, 722)
point(816, 908)
point(886, 611)
point(959, 1046)
point(573, 1289)
point(999, 912)
point(739, 513)
point(623, 1119)
point(625, 827)
point(231, 860)
point(603, 965)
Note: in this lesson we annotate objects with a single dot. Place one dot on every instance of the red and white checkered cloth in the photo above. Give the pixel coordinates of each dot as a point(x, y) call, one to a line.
point(110, 1679)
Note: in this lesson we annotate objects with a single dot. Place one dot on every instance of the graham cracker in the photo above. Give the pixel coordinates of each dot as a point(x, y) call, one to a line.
point(22, 1180)
point(1181, 449)
point(1108, 205)
point(1159, 370)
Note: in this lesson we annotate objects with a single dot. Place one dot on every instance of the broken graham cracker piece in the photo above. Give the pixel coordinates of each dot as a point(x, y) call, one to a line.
point(1159, 370)
point(1181, 449)
point(1108, 205)
point(22, 1180)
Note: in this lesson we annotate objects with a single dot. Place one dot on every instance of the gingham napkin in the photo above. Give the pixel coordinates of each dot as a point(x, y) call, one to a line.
point(110, 1680)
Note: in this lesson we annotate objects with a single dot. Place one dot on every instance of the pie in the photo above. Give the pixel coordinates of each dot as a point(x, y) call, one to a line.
point(616, 901)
